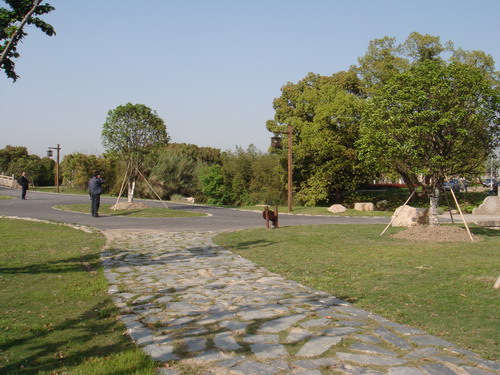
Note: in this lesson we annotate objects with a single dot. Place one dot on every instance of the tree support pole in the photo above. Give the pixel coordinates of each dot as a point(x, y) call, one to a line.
point(459, 210)
point(154, 191)
point(122, 187)
point(394, 216)
point(449, 207)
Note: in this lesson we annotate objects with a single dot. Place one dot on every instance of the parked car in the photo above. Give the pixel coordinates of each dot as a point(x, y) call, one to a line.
point(488, 181)
point(453, 184)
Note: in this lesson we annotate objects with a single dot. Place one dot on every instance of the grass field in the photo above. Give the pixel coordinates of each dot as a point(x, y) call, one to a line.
point(56, 316)
point(443, 288)
point(105, 209)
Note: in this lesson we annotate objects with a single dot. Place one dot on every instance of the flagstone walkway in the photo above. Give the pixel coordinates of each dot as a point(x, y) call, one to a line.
point(201, 309)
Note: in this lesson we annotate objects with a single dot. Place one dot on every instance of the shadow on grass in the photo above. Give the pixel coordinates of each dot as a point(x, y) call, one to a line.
point(248, 245)
point(70, 343)
point(122, 213)
point(485, 232)
point(85, 263)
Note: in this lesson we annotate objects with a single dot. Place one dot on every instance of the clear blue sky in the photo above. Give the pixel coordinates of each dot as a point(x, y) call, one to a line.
point(210, 68)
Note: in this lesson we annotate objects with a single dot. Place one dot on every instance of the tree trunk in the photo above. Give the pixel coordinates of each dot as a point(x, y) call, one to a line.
point(131, 190)
point(433, 209)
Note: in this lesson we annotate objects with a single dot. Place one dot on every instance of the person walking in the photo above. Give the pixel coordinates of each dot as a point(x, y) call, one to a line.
point(25, 185)
point(95, 191)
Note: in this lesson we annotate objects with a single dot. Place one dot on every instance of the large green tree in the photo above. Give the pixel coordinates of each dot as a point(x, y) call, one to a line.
point(324, 113)
point(12, 29)
point(132, 131)
point(434, 120)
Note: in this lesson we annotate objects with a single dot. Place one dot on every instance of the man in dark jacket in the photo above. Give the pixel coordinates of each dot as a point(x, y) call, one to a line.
point(95, 191)
point(24, 183)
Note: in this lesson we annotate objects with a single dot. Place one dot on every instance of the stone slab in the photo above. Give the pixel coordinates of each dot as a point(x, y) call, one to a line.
point(366, 359)
point(268, 351)
point(318, 345)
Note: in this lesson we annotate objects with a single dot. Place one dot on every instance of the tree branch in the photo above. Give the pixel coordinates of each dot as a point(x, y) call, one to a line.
point(11, 42)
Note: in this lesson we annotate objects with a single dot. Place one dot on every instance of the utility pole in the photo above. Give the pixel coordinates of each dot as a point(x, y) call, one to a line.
point(49, 154)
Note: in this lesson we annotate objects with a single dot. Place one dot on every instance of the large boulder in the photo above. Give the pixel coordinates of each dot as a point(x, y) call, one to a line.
point(490, 206)
point(407, 216)
point(337, 208)
point(364, 206)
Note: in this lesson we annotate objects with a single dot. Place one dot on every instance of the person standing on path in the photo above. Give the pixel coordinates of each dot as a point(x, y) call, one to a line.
point(24, 183)
point(95, 191)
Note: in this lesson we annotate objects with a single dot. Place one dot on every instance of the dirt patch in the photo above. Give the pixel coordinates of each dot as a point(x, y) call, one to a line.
point(129, 206)
point(438, 233)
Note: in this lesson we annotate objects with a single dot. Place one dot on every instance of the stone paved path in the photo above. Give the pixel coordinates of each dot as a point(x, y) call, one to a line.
point(204, 310)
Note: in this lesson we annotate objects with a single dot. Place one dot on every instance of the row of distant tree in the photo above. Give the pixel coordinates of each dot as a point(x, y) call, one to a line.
point(170, 170)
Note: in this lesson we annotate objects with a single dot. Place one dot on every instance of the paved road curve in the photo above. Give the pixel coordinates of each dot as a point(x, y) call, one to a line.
point(40, 206)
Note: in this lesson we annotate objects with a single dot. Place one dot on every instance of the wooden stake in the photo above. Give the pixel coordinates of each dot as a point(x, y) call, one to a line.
point(154, 191)
point(459, 209)
point(394, 216)
point(449, 207)
point(122, 187)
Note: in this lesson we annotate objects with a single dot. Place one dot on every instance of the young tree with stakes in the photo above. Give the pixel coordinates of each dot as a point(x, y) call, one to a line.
point(132, 131)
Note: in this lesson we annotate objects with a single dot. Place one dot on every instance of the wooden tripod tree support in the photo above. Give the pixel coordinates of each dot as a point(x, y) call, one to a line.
point(147, 182)
point(122, 187)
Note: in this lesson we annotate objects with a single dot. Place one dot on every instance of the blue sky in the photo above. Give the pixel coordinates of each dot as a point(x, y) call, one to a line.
point(210, 68)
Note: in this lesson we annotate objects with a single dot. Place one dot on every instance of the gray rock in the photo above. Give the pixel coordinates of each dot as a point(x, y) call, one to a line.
point(212, 356)
point(225, 341)
point(340, 331)
point(437, 369)
point(367, 338)
point(195, 344)
point(256, 314)
point(429, 340)
point(233, 325)
point(309, 364)
point(231, 362)
point(366, 359)
point(421, 353)
point(316, 323)
point(297, 334)
point(476, 371)
point(254, 339)
point(493, 365)
point(404, 371)
point(268, 351)
point(142, 336)
point(392, 338)
point(280, 324)
point(371, 349)
point(318, 345)
point(161, 353)
point(254, 368)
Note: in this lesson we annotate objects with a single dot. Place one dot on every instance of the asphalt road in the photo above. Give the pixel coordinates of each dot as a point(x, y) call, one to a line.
point(40, 206)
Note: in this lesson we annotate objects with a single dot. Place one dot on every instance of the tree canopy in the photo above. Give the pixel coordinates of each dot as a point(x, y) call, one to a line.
point(12, 23)
point(433, 120)
point(133, 130)
point(325, 113)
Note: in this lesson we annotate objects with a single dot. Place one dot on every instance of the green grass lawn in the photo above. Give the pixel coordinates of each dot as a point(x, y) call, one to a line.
point(6, 197)
point(105, 209)
point(445, 289)
point(56, 316)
